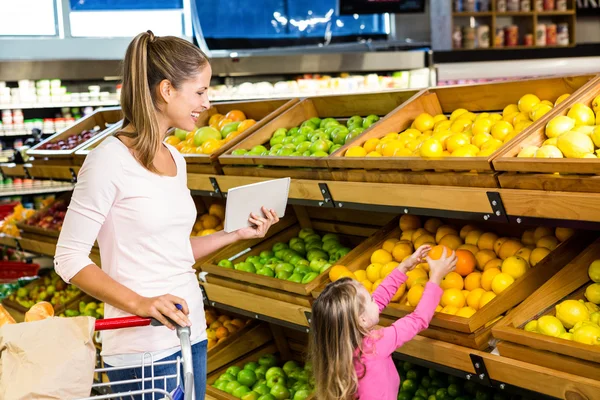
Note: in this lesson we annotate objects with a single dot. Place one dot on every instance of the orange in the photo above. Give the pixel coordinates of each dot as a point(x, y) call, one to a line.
point(487, 277)
point(495, 263)
point(401, 250)
point(483, 257)
point(498, 244)
point(238, 323)
point(453, 297)
point(211, 343)
point(222, 332)
point(360, 275)
point(509, 248)
point(473, 281)
point(486, 298)
point(525, 252)
point(515, 266)
point(387, 269)
point(336, 271)
point(172, 140)
point(215, 325)
point(374, 272)
point(39, 311)
point(215, 119)
point(432, 225)
point(474, 298)
point(180, 145)
point(452, 281)
point(407, 235)
point(451, 241)
point(424, 266)
point(399, 293)
point(436, 252)
point(465, 262)
point(465, 293)
point(245, 124)
point(223, 319)
point(219, 227)
point(371, 144)
point(449, 310)
point(381, 257)
point(424, 239)
point(537, 255)
point(443, 231)
point(527, 238)
point(470, 247)
point(466, 229)
point(540, 232)
point(389, 244)
point(473, 237)
point(376, 284)
point(235, 115)
point(563, 234)
point(190, 136)
point(501, 281)
point(348, 274)
point(466, 312)
point(210, 145)
point(417, 233)
point(409, 222)
point(367, 284)
point(487, 240)
point(549, 242)
point(414, 295)
point(414, 275)
point(223, 122)
point(209, 221)
point(207, 232)
point(217, 210)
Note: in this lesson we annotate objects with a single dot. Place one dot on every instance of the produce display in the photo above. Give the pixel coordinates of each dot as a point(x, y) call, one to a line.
point(50, 288)
point(8, 226)
point(90, 308)
point(268, 379)
point(487, 264)
point(220, 326)
point(52, 217)
point(300, 260)
point(70, 142)
point(576, 320)
point(221, 129)
point(575, 135)
point(211, 222)
point(315, 137)
point(462, 134)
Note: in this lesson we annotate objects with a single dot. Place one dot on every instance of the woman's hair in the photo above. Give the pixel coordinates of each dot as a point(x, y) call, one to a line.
point(148, 61)
point(336, 338)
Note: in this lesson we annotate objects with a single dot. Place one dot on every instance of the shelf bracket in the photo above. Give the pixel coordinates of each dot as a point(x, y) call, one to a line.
point(27, 173)
point(308, 315)
point(73, 176)
point(499, 213)
point(481, 373)
point(217, 192)
point(327, 199)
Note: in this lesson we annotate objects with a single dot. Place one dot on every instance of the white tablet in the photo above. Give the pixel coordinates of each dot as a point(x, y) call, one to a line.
point(244, 200)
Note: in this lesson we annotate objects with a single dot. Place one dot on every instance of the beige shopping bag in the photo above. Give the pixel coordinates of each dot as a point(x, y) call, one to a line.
point(49, 359)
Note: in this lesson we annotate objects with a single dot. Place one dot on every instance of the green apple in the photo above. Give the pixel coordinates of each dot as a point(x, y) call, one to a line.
point(330, 236)
point(257, 150)
point(301, 395)
point(331, 245)
point(290, 255)
point(253, 259)
point(316, 121)
point(225, 264)
point(313, 237)
point(293, 131)
point(268, 360)
point(316, 265)
point(267, 396)
point(299, 247)
point(308, 367)
point(285, 152)
point(280, 391)
point(308, 122)
point(239, 152)
point(315, 244)
point(305, 130)
point(276, 140)
point(205, 133)
point(334, 148)
point(289, 367)
point(261, 372)
point(273, 260)
point(288, 140)
point(304, 146)
point(298, 139)
point(342, 252)
point(305, 232)
point(233, 371)
point(316, 254)
point(302, 262)
point(319, 154)
point(231, 386)
point(180, 134)
point(297, 278)
point(221, 385)
point(280, 132)
point(266, 254)
point(323, 136)
point(296, 154)
point(248, 267)
point(303, 376)
point(309, 277)
point(325, 268)
point(253, 395)
point(227, 377)
point(295, 259)
point(252, 365)
point(240, 391)
point(283, 275)
point(338, 135)
point(302, 270)
point(274, 371)
point(280, 246)
point(354, 120)
point(265, 271)
point(327, 121)
point(279, 254)
point(350, 136)
point(247, 377)
point(261, 388)
point(369, 120)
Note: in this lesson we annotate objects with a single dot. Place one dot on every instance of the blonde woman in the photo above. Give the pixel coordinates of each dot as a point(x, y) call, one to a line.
point(132, 197)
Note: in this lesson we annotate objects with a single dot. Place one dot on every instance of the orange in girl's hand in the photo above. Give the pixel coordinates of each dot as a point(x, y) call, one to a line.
point(436, 252)
point(235, 115)
point(465, 262)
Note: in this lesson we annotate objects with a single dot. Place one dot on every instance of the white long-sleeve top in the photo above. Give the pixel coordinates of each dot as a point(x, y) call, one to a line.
point(142, 222)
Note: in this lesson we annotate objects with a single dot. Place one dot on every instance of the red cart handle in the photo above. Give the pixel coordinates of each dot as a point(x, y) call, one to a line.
point(128, 322)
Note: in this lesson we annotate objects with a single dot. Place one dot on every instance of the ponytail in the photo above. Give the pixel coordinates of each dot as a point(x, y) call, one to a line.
point(148, 61)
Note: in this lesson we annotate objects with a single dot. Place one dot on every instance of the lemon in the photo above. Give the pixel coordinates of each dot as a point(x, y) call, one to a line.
point(588, 130)
point(575, 144)
point(531, 326)
point(464, 152)
point(486, 298)
point(550, 326)
point(453, 297)
point(552, 142)
point(424, 122)
point(561, 98)
point(413, 275)
point(495, 117)
point(547, 102)
point(592, 308)
point(570, 312)
point(528, 152)
point(431, 148)
point(360, 275)
point(356, 151)
point(582, 114)
point(521, 117)
point(439, 118)
point(539, 111)
point(460, 125)
point(480, 138)
point(566, 336)
point(381, 257)
point(515, 266)
point(442, 126)
point(374, 272)
point(520, 127)
point(548, 151)
point(594, 271)
point(367, 284)
point(501, 282)
point(559, 125)
point(452, 310)
point(587, 334)
point(492, 144)
point(373, 154)
point(592, 293)
point(485, 153)
point(596, 135)
point(482, 126)
point(414, 295)
point(527, 102)
point(501, 130)
point(595, 317)
point(466, 312)
point(510, 109)
point(474, 298)
point(457, 113)
point(456, 141)
point(563, 234)
point(537, 255)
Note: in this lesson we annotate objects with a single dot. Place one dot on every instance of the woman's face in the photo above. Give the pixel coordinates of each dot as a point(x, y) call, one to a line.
point(187, 101)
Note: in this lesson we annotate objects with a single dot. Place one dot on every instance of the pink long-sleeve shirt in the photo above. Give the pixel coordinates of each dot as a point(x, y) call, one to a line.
point(381, 380)
point(142, 222)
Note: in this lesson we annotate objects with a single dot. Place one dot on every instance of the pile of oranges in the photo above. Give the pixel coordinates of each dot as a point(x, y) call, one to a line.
point(487, 264)
point(211, 222)
point(220, 326)
point(229, 126)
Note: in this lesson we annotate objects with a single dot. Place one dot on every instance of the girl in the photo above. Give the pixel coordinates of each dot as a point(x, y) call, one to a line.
point(350, 358)
point(132, 196)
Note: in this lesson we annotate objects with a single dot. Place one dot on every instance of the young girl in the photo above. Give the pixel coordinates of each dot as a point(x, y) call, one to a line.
point(350, 358)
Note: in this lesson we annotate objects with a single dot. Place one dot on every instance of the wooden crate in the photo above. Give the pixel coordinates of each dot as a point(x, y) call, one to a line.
point(340, 107)
point(108, 119)
point(262, 111)
point(492, 97)
point(575, 174)
point(516, 293)
point(564, 355)
point(41, 234)
point(351, 233)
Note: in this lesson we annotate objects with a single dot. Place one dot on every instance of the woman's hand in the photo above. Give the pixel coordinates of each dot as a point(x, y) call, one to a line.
point(260, 225)
point(164, 306)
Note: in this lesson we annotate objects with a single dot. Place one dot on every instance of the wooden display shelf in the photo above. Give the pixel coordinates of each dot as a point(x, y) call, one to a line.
point(472, 14)
point(569, 283)
point(339, 107)
point(485, 97)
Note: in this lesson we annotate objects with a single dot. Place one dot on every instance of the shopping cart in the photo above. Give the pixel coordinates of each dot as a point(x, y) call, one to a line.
point(149, 382)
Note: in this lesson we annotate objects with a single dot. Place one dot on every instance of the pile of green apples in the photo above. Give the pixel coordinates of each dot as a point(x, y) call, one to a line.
point(264, 380)
point(300, 260)
point(315, 137)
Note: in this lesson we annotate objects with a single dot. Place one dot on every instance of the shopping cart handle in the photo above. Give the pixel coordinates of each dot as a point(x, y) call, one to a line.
point(129, 322)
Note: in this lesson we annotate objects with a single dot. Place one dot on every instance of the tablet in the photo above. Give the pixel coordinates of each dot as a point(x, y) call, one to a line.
point(244, 200)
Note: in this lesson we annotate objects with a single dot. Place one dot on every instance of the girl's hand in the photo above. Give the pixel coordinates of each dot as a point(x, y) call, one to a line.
point(261, 225)
point(438, 269)
point(415, 259)
point(164, 306)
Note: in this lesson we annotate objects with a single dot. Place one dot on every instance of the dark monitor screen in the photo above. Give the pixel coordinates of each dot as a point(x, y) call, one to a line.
point(381, 6)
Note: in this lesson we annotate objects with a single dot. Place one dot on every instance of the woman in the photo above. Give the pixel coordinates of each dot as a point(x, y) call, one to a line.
point(132, 197)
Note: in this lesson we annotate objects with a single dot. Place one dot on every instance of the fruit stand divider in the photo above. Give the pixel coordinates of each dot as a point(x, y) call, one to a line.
point(568, 356)
point(261, 111)
point(487, 97)
point(339, 107)
point(573, 170)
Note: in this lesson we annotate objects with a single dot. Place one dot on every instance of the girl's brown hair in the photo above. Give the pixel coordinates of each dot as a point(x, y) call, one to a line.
point(148, 61)
point(336, 338)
